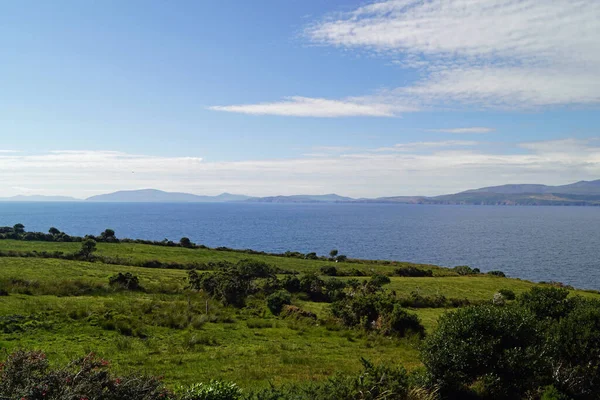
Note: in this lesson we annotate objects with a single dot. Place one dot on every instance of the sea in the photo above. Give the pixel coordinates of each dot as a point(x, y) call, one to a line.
point(529, 242)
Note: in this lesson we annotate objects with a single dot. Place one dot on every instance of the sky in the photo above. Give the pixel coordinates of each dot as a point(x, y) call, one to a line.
point(268, 97)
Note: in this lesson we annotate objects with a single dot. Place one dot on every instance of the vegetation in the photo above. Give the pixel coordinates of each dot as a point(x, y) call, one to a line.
point(221, 324)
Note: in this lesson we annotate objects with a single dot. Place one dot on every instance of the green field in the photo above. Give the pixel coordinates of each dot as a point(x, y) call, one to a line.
point(67, 309)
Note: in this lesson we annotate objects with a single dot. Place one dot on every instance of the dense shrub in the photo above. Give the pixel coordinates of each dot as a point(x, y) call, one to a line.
point(508, 294)
point(500, 347)
point(278, 300)
point(547, 302)
point(575, 350)
point(126, 281)
point(27, 375)
point(466, 270)
point(413, 272)
point(380, 279)
point(497, 273)
point(379, 312)
point(329, 270)
point(291, 283)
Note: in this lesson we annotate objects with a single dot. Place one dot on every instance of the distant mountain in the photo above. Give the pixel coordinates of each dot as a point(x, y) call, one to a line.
point(39, 198)
point(323, 198)
point(583, 193)
point(158, 196)
point(581, 187)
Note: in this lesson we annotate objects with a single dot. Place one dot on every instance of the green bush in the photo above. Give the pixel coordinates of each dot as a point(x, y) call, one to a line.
point(508, 294)
point(499, 347)
point(547, 302)
point(278, 300)
point(126, 281)
point(380, 279)
point(466, 270)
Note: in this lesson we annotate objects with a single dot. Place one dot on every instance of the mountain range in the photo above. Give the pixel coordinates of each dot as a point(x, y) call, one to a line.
point(583, 193)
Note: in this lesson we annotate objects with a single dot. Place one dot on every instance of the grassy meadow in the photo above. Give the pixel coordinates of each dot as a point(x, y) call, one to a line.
point(67, 309)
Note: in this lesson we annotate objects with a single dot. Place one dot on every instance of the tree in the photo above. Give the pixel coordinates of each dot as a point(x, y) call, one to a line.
point(333, 253)
point(53, 231)
point(185, 242)
point(19, 228)
point(88, 246)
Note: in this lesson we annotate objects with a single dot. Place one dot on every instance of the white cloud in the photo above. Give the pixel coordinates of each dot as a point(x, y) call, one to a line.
point(484, 54)
point(297, 106)
point(474, 129)
point(425, 168)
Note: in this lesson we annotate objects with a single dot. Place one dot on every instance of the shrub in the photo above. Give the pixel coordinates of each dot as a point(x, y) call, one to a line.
point(508, 294)
point(497, 273)
point(466, 270)
point(500, 347)
point(546, 302)
point(27, 375)
point(291, 283)
point(278, 300)
point(380, 279)
point(575, 344)
point(126, 281)
point(413, 272)
point(214, 390)
point(379, 312)
point(329, 271)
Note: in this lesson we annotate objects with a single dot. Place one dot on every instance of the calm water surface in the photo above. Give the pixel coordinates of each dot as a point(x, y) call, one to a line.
point(536, 243)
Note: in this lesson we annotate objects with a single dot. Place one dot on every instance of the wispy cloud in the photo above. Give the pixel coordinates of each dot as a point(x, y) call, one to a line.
point(297, 106)
point(475, 129)
point(484, 54)
point(425, 168)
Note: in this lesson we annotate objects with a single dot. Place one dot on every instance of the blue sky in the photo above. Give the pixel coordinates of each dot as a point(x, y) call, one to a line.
point(361, 98)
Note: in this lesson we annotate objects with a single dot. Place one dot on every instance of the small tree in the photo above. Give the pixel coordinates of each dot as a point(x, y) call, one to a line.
point(108, 235)
point(185, 242)
point(88, 247)
point(19, 228)
point(53, 231)
point(333, 253)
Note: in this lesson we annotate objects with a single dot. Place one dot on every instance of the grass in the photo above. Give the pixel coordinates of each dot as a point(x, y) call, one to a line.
point(67, 309)
point(135, 252)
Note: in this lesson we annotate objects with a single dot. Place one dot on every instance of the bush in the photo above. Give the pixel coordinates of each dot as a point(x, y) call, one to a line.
point(27, 375)
point(508, 294)
point(380, 280)
point(497, 273)
point(546, 302)
point(379, 312)
point(126, 281)
point(466, 270)
point(575, 344)
point(413, 272)
point(214, 390)
point(278, 300)
point(499, 347)
point(329, 271)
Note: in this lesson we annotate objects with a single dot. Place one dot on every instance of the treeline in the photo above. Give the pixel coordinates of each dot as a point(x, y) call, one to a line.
point(18, 232)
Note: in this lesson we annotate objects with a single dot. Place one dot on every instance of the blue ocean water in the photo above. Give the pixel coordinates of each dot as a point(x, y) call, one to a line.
point(534, 243)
